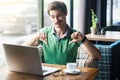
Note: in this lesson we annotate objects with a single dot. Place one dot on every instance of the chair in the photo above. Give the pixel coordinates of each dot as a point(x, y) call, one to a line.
point(85, 60)
point(110, 62)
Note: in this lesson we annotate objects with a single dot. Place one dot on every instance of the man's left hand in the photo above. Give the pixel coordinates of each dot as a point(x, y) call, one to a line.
point(76, 37)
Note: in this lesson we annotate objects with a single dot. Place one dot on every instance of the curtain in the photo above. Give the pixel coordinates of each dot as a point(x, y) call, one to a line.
point(99, 7)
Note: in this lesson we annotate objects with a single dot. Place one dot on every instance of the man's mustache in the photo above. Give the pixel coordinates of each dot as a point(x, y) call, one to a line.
point(58, 22)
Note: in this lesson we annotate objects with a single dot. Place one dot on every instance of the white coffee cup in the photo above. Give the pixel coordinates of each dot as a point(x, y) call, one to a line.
point(71, 66)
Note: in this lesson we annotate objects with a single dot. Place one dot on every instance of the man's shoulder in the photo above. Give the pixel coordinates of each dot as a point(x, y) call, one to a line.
point(72, 30)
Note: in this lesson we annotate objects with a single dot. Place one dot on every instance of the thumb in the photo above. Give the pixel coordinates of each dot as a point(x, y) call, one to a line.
point(45, 41)
point(72, 41)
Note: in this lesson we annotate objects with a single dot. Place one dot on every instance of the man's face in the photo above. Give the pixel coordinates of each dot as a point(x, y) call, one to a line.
point(58, 17)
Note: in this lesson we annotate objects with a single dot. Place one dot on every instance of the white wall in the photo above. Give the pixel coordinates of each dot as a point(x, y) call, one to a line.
point(80, 17)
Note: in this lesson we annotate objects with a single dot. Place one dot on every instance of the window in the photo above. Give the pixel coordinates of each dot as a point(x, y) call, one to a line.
point(21, 18)
point(18, 18)
point(113, 12)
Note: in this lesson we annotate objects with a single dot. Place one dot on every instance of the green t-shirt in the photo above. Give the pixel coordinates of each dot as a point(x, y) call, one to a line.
point(59, 51)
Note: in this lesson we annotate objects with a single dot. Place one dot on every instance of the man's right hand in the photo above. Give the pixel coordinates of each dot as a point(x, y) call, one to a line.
point(43, 37)
point(34, 41)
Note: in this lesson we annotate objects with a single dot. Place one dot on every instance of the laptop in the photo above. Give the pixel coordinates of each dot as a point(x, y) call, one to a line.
point(25, 59)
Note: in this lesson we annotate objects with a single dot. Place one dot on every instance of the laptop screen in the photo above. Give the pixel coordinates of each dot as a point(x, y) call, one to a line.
point(25, 59)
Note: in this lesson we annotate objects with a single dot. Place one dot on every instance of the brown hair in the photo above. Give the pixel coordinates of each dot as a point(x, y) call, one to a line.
point(57, 5)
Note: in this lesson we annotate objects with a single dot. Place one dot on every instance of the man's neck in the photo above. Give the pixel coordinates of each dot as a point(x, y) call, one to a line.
point(60, 31)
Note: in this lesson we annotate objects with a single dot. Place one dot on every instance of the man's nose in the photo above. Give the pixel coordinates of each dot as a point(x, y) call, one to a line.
point(56, 19)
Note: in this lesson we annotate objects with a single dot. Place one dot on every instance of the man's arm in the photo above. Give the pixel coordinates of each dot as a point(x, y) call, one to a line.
point(31, 42)
point(91, 49)
point(86, 45)
point(34, 41)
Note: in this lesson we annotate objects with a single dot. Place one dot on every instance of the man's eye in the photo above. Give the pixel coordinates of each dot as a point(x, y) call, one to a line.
point(59, 15)
point(52, 16)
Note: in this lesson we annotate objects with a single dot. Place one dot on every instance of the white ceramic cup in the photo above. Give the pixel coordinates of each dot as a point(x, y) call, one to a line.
point(71, 66)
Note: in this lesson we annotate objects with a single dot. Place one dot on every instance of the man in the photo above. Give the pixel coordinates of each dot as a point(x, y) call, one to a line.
point(60, 42)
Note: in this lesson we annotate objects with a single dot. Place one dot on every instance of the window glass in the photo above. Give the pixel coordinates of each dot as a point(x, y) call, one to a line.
point(115, 11)
point(18, 16)
point(18, 19)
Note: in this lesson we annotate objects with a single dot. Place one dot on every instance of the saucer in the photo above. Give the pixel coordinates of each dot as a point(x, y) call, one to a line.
point(73, 72)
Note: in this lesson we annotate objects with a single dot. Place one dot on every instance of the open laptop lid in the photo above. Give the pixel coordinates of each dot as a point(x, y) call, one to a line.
point(25, 59)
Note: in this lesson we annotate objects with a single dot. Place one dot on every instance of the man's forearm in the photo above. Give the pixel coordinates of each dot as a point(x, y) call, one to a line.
point(91, 49)
point(31, 42)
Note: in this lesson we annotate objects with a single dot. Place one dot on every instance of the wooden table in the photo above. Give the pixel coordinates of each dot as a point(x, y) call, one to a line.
point(106, 38)
point(86, 74)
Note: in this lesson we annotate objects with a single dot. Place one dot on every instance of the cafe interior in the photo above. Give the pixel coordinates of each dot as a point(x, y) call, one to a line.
point(99, 21)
